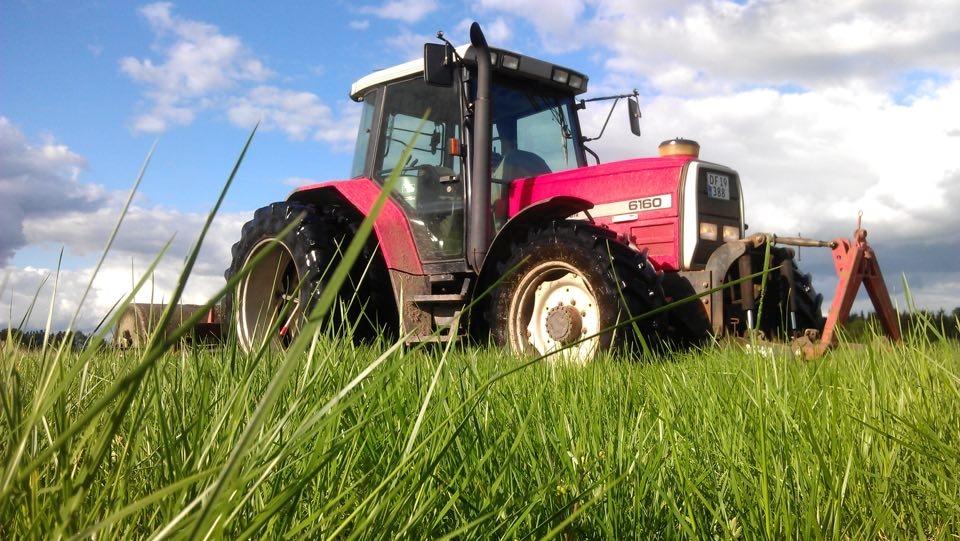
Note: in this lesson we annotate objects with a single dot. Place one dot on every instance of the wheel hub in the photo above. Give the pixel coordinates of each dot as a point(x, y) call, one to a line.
point(564, 324)
point(554, 308)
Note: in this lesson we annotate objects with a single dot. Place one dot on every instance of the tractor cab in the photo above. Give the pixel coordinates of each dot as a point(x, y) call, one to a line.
point(430, 105)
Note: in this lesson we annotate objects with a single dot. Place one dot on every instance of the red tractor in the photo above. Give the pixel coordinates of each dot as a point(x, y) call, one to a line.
point(496, 196)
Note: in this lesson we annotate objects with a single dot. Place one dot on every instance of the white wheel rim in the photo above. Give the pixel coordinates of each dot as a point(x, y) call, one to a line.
point(544, 289)
point(260, 300)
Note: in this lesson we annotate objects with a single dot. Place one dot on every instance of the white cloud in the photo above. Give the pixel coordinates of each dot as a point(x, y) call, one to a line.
point(497, 31)
point(300, 115)
point(409, 11)
point(558, 23)
point(201, 68)
point(197, 61)
point(723, 42)
point(38, 181)
point(361, 24)
point(142, 236)
point(810, 161)
point(407, 45)
point(114, 281)
point(45, 206)
point(296, 182)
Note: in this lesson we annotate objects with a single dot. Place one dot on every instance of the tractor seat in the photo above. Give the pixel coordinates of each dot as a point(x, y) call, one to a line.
point(520, 164)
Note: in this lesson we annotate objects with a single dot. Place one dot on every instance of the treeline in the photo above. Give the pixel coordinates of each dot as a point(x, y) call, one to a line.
point(933, 325)
point(34, 339)
point(860, 327)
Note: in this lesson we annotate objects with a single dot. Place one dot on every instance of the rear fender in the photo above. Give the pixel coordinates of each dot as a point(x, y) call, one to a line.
point(391, 227)
point(551, 208)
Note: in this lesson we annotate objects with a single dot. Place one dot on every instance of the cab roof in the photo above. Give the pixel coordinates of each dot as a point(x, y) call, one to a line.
point(527, 66)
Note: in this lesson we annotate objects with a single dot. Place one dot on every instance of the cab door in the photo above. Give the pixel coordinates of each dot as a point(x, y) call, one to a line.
point(430, 185)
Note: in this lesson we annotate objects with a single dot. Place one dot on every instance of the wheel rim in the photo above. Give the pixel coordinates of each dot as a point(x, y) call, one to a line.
point(263, 296)
point(554, 307)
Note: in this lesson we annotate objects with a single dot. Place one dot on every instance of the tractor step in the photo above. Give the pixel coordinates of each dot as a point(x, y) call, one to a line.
point(446, 328)
point(445, 278)
point(430, 338)
point(445, 321)
point(444, 298)
point(444, 308)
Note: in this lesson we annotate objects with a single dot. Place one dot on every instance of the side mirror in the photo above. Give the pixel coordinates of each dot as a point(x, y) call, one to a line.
point(437, 68)
point(633, 108)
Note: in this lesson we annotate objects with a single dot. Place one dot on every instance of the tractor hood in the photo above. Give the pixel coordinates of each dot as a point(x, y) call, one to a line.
point(608, 183)
point(654, 203)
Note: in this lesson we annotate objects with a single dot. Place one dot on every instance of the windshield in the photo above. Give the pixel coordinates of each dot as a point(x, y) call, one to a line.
point(532, 130)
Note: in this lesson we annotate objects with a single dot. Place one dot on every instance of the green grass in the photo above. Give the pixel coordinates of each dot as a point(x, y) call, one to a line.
point(863, 443)
point(330, 440)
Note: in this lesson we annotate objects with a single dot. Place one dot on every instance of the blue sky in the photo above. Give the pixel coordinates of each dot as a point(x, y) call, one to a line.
point(64, 77)
point(824, 109)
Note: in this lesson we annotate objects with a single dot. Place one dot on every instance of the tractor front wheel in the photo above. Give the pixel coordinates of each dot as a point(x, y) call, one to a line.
point(566, 285)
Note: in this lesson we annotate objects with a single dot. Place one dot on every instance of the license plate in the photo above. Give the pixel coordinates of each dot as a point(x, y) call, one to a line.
point(718, 186)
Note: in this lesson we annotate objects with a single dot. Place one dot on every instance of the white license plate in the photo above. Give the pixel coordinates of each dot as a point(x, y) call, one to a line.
point(718, 186)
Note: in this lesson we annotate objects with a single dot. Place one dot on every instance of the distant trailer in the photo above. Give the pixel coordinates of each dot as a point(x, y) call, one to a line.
point(139, 319)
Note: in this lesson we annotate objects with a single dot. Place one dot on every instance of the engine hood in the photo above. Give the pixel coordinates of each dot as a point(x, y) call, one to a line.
point(604, 183)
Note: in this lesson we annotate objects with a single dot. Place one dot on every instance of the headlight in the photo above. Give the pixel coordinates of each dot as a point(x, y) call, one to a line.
point(730, 232)
point(560, 76)
point(708, 231)
point(576, 81)
point(510, 62)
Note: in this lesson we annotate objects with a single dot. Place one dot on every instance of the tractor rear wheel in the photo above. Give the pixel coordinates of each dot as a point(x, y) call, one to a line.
point(565, 282)
point(287, 281)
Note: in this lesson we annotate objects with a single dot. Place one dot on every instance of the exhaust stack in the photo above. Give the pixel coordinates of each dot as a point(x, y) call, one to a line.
point(478, 224)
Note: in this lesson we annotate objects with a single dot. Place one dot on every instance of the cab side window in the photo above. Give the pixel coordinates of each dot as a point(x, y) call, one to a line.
point(429, 186)
point(370, 102)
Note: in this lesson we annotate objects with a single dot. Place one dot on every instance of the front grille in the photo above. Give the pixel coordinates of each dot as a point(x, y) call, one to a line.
point(718, 211)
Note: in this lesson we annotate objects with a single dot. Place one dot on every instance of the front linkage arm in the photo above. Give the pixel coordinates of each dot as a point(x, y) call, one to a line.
point(856, 264)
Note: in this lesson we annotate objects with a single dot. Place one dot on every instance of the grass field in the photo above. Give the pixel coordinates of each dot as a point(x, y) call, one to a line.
point(330, 440)
point(720, 443)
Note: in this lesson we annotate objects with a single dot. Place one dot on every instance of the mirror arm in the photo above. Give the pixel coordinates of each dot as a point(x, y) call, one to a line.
point(592, 153)
point(607, 121)
point(453, 49)
point(634, 94)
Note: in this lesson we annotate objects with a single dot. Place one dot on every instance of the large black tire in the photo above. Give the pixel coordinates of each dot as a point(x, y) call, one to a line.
point(776, 321)
point(809, 303)
point(553, 265)
point(306, 256)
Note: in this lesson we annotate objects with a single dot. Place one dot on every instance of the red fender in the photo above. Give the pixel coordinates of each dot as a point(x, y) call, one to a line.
point(551, 208)
point(391, 226)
